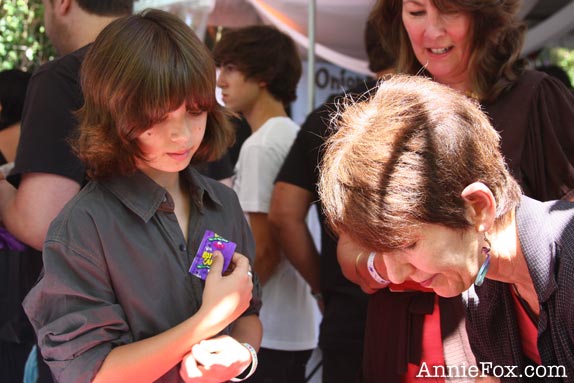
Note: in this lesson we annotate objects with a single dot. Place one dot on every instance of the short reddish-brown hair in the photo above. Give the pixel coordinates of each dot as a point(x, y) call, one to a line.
point(404, 157)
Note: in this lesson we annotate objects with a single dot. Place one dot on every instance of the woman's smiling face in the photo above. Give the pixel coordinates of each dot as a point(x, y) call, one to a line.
point(441, 41)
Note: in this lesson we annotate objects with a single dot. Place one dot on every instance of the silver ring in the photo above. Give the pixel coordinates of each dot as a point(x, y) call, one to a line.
point(250, 274)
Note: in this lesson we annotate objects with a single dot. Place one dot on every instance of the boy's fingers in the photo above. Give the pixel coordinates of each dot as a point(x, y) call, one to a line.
point(202, 355)
point(241, 262)
point(191, 370)
point(216, 264)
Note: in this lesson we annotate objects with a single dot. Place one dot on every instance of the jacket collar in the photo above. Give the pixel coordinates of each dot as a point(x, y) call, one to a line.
point(538, 245)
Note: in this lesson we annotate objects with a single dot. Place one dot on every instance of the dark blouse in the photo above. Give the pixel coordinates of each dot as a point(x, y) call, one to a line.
point(116, 269)
point(546, 235)
point(536, 122)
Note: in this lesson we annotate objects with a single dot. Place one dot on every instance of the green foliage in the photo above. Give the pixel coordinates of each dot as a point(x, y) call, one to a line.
point(564, 58)
point(23, 41)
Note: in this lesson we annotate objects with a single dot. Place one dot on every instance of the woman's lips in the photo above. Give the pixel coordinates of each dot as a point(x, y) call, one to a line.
point(427, 283)
point(440, 51)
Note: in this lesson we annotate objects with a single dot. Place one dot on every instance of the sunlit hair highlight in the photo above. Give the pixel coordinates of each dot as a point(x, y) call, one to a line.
point(404, 157)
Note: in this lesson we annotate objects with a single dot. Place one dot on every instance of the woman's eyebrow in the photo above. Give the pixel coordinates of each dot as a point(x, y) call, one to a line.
point(412, 1)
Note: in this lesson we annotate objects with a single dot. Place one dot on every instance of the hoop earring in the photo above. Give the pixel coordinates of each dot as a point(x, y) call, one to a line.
point(484, 268)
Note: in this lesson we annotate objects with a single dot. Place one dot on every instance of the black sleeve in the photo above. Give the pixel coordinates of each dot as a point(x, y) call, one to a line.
point(218, 170)
point(301, 164)
point(48, 121)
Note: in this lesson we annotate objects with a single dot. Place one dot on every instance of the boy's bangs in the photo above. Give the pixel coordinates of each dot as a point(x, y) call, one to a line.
point(167, 89)
point(164, 69)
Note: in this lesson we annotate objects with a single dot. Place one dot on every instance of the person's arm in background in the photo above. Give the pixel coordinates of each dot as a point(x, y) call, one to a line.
point(293, 195)
point(47, 174)
point(267, 255)
point(289, 207)
point(27, 212)
point(9, 137)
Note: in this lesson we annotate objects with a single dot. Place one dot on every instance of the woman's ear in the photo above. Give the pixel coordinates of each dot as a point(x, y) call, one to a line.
point(480, 206)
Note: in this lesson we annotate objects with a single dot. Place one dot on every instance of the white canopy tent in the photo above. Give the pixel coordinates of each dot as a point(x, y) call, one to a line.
point(339, 24)
point(557, 29)
point(332, 30)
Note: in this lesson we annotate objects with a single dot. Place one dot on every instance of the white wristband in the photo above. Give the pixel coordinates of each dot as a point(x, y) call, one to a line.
point(373, 272)
point(253, 364)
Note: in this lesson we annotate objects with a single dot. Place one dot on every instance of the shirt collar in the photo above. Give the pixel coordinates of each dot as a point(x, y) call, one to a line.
point(538, 246)
point(144, 197)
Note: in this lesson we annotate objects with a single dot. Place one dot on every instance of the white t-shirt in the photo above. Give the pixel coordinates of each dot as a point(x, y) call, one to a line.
point(289, 313)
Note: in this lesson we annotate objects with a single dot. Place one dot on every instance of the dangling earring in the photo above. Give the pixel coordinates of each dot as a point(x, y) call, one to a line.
point(484, 268)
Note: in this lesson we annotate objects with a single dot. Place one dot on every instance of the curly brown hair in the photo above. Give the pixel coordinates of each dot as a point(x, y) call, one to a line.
point(404, 157)
point(140, 68)
point(495, 62)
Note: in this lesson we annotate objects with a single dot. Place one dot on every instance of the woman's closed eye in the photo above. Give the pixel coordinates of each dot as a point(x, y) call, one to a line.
point(411, 246)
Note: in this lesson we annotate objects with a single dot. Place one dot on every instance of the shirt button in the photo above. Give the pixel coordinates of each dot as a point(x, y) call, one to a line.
point(182, 247)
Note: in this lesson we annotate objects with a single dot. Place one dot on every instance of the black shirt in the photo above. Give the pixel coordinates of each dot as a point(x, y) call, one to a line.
point(53, 95)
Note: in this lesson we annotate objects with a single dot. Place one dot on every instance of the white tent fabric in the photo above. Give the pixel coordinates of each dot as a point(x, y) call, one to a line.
point(194, 12)
point(554, 27)
point(323, 51)
point(340, 23)
point(337, 26)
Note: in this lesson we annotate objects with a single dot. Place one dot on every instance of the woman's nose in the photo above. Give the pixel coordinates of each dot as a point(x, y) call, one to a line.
point(435, 26)
point(398, 271)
